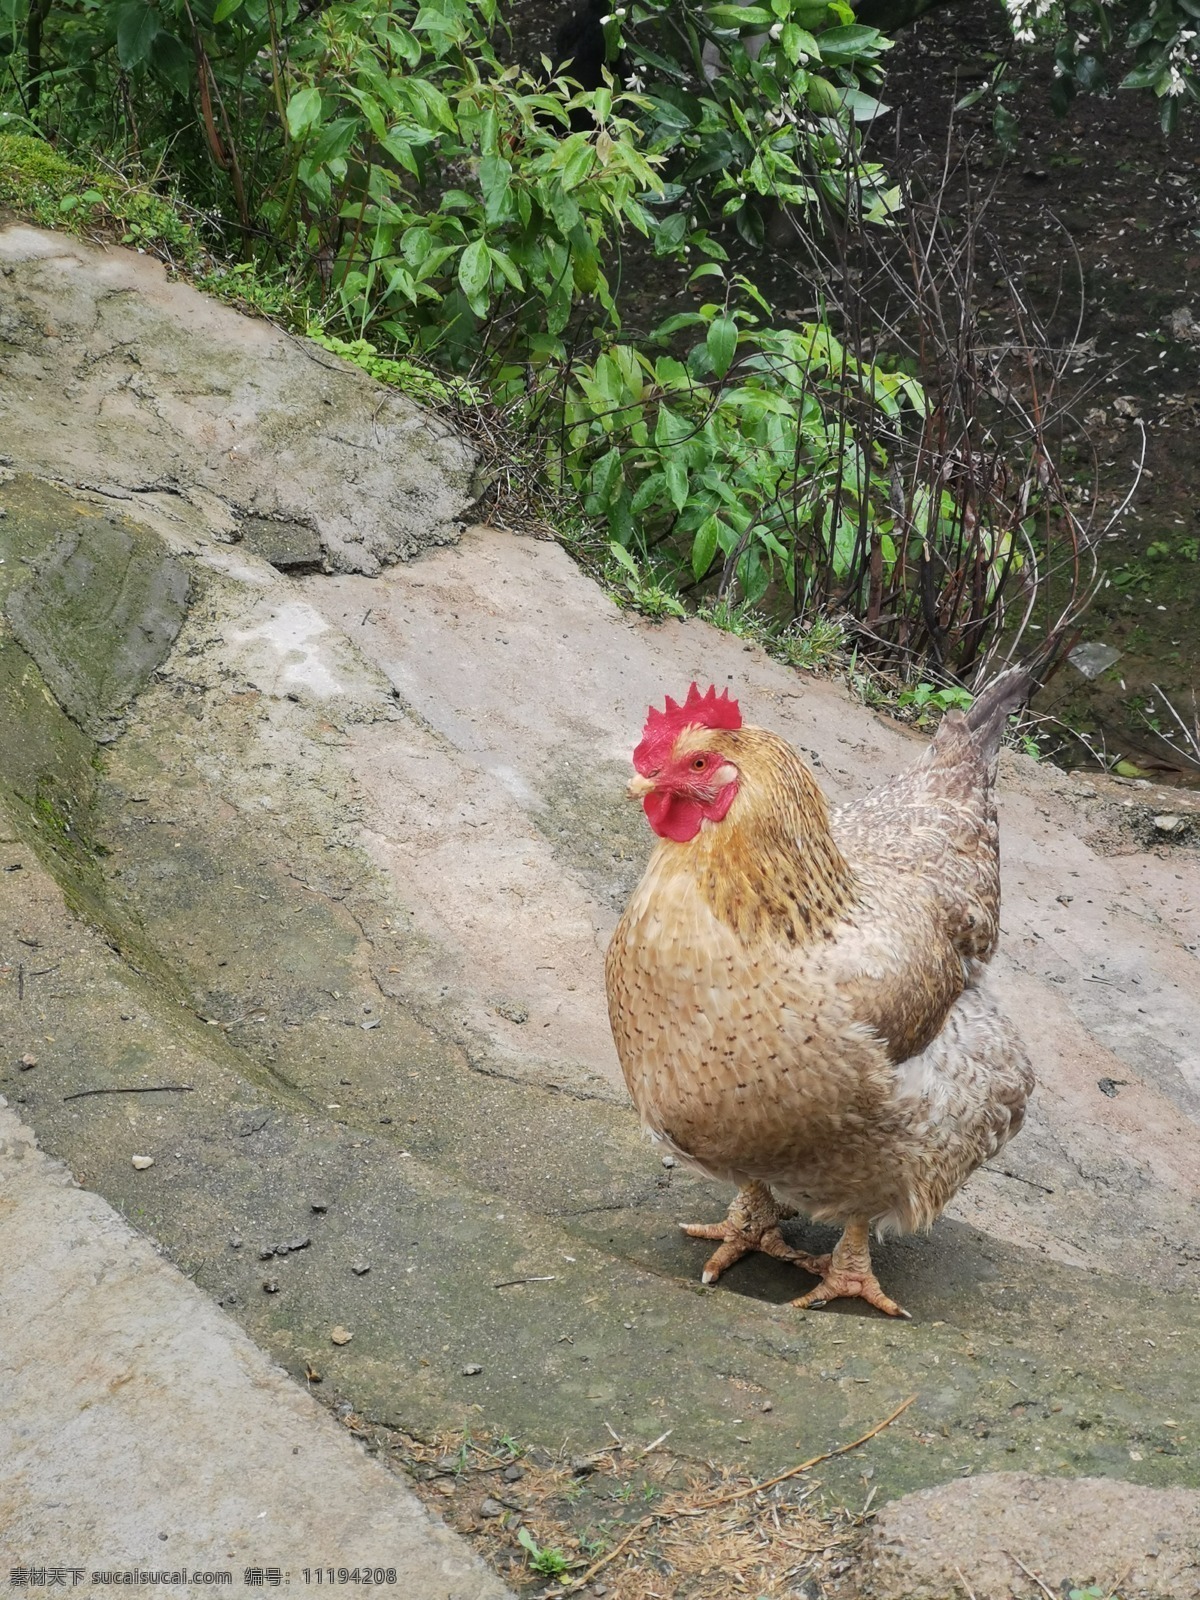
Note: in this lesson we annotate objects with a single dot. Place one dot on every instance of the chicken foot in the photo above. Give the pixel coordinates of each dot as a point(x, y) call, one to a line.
point(847, 1274)
point(751, 1223)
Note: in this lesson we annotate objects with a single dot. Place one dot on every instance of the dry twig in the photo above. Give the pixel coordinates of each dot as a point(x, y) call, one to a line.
point(1049, 1593)
point(658, 1517)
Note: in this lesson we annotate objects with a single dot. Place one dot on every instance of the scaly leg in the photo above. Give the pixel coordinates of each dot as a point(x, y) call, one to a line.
point(751, 1223)
point(847, 1274)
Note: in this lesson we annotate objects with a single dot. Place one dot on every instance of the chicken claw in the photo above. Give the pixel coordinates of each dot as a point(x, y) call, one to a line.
point(847, 1274)
point(751, 1223)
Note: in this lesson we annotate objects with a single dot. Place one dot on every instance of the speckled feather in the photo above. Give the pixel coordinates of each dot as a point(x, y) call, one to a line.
point(797, 997)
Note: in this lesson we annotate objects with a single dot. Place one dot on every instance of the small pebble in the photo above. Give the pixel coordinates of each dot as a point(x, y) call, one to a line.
point(767, 1405)
point(340, 1335)
point(446, 1464)
point(582, 1465)
point(300, 1242)
point(270, 1285)
point(1168, 824)
point(668, 1161)
point(360, 1268)
point(142, 1162)
point(472, 1369)
point(235, 1241)
point(490, 1508)
point(28, 1061)
point(266, 1252)
point(319, 1205)
point(514, 1473)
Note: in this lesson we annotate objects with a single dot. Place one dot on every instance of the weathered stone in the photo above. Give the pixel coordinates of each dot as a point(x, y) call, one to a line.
point(98, 614)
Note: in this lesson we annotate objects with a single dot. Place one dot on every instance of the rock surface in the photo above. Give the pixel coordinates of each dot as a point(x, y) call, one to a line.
point(1068, 1533)
point(348, 874)
point(165, 1440)
point(120, 380)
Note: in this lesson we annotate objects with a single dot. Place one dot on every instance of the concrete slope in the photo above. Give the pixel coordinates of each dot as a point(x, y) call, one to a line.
point(319, 926)
point(142, 1431)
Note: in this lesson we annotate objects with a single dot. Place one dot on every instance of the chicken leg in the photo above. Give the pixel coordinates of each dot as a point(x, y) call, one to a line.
point(751, 1223)
point(847, 1273)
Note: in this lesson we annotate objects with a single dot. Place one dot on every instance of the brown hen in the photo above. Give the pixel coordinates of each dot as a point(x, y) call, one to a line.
point(796, 995)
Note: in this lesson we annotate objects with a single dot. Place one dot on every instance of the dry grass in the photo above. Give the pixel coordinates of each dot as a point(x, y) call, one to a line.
point(628, 1523)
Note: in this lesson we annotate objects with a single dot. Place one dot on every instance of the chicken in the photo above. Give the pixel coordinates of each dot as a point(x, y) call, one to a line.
point(796, 996)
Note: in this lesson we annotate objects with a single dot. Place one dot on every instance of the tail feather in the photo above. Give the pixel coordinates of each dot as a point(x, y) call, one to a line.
point(993, 707)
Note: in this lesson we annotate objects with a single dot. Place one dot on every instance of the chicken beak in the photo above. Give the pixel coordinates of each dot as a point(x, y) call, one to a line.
point(639, 788)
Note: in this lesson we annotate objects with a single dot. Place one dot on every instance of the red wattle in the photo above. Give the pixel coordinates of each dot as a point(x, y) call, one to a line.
point(679, 817)
point(672, 816)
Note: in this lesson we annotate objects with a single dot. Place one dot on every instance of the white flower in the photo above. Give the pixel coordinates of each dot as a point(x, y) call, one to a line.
point(1175, 82)
point(776, 30)
point(635, 83)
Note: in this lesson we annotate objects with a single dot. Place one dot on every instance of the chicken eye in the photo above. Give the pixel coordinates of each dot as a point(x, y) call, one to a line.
point(699, 764)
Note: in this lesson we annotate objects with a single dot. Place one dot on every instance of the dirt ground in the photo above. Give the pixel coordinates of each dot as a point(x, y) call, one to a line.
point(1098, 214)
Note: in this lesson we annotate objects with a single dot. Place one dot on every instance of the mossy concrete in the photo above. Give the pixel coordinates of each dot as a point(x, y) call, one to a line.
point(98, 612)
point(325, 1060)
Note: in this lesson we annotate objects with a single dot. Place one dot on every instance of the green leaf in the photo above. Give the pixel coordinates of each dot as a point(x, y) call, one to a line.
point(670, 429)
point(579, 162)
point(668, 115)
point(507, 267)
point(704, 546)
point(171, 60)
point(672, 324)
point(675, 475)
point(137, 24)
point(303, 111)
point(225, 9)
point(840, 45)
point(798, 44)
point(495, 180)
point(605, 477)
point(670, 234)
point(863, 107)
point(722, 344)
point(754, 575)
point(475, 271)
point(648, 493)
point(741, 17)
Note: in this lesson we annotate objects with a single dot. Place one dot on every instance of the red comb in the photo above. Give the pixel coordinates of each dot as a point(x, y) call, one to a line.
point(708, 710)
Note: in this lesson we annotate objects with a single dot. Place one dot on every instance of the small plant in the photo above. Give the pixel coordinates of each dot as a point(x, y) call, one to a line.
point(737, 618)
point(545, 1560)
point(813, 645)
point(924, 698)
point(644, 594)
